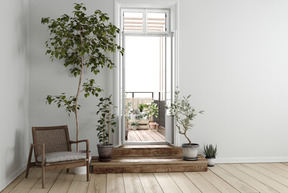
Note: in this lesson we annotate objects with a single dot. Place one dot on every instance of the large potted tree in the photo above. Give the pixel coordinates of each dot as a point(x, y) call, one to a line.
point(184, 114)
point(82, 42)
point(105, 128)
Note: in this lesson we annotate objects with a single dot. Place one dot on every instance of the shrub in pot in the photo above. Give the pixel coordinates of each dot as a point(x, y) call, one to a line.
point(105, 128)
point(152, 110)
point(210, 153)
point(82, 42)
point(134, 125)
point(184, 113)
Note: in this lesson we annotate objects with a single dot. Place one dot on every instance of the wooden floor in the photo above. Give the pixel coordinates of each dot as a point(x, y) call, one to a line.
point(146, 135)
point(272, 177)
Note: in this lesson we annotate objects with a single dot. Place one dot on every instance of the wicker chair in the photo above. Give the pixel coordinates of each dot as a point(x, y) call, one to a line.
point(52, 150)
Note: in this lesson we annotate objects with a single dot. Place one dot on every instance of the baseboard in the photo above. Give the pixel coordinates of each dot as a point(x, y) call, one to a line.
point(12, 177)
point(252, 160)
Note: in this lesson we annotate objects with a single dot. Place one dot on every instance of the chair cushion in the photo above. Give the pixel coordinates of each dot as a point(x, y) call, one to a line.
point(62, 156)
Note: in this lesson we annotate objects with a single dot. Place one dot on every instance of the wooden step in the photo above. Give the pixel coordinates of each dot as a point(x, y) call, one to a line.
point(149, 164)
point(151, 158)
point(147, 150)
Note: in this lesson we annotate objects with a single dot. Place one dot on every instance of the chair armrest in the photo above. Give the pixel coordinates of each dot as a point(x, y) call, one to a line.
point(80, 141)
point(43, 151)
point(87, 145)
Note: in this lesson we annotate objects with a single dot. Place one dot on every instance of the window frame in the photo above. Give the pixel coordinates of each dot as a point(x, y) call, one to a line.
point(145, 20)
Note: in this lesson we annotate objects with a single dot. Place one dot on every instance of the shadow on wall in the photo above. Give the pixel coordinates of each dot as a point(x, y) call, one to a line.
point(16, 156)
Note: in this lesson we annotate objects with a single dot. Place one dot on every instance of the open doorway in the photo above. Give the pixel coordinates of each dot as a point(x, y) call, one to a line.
point(145, 79)
point(147, 74)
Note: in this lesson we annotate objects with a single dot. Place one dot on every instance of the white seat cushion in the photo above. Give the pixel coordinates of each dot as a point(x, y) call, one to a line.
point(62, 156)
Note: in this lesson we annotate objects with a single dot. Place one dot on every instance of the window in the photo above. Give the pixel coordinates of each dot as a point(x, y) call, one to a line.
point(145, 21)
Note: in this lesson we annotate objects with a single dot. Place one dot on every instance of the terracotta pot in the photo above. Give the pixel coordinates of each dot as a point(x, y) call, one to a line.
point(105, 152)
point(152, 125)
point(190, 152)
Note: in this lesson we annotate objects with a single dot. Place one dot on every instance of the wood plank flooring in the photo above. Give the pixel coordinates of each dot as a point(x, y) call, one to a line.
point(146, 135)
point(230, 178)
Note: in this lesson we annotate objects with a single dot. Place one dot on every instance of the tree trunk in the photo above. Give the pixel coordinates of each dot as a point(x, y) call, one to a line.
point(76, 105)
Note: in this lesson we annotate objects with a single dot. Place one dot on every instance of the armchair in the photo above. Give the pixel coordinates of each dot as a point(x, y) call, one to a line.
point(52, 150)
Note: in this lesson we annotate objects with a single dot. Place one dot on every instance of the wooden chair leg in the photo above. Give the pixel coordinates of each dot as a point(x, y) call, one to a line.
point(29, 161)
point(87, 170)
point(43, 177)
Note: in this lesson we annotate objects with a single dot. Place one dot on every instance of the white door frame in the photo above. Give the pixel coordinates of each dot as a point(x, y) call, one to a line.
point(173, 5)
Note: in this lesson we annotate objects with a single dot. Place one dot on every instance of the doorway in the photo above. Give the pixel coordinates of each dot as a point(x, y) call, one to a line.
point(147, 75)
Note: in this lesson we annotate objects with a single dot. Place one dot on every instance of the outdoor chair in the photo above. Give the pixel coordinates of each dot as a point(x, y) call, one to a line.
point(52, 150)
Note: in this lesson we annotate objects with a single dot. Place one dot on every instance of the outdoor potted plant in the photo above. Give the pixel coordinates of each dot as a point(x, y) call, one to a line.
point(184, 113)
point(210, 153)
point(141, 107)
point(82, 42)
point(152, 111)
point(134, 125)
point(105, 128)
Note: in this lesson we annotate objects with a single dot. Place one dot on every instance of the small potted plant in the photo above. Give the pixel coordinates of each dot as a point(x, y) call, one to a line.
point(141, 107)
point(105, 128)
point(134, 125)
point(184, 113)
point(210, 153)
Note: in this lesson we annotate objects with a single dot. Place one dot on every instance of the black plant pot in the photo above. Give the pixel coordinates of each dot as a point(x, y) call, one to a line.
point(105, 152)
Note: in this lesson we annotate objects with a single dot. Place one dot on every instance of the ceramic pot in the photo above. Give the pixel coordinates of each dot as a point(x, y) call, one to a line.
point(82, 170)
point(190, 152)
point(211, 161)
point(134, 127)
point(105, 152)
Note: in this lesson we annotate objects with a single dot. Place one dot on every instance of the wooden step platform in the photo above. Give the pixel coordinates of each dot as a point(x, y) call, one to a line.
point(147, 159)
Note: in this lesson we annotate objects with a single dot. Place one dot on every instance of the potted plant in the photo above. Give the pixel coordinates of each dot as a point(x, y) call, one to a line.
point(105, 128)
point(210, 153)
point(141, 107)
point(82, 42)
point(184, 113)
point(152, 110)
point(134, 125)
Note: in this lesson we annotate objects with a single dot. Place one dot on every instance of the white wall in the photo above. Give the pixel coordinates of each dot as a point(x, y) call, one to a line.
point(234, 62)
point(14, 138)
point(48, 77)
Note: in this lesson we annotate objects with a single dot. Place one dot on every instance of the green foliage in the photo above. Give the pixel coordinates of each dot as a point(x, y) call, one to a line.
point(107, 122)
point(63, 101)
point(134, 123)
point(83, 42)
point(141, 106)
point(210, 151)
point(183, 113)
point(152, 110)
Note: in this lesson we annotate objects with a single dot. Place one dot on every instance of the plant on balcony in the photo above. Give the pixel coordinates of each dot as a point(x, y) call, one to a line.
point(134, 125)
point(141, 107)
point(152, 110)
point(81, 42)
point(105, 127)
point(184, 114)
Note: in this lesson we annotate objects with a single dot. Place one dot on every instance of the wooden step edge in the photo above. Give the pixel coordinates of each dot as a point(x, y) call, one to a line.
point(128, 161)
point(151, 168)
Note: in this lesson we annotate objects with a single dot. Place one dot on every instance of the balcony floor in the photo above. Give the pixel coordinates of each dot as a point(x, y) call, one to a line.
point(147, 135)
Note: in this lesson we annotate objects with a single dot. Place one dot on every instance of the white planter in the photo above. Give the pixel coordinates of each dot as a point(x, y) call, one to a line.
point(211, 162)
point(134, 128)
point(190, 152)
point(82, 170)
